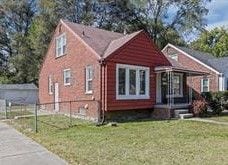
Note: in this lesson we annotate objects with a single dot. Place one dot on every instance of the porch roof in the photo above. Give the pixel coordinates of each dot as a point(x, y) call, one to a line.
point(177, 67)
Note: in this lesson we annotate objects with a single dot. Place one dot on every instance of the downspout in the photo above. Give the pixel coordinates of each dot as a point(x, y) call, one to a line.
point(101, 116)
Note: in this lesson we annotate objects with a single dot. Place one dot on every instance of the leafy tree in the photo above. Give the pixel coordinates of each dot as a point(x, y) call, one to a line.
point(15, 20)
point(214, 41)
point(166, 21)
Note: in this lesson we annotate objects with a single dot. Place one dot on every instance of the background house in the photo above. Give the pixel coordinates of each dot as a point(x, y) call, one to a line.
point(216, 80)
point(19, 93)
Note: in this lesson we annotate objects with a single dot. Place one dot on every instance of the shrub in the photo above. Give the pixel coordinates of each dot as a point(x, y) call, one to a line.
point(214, 101)
point(199, 107)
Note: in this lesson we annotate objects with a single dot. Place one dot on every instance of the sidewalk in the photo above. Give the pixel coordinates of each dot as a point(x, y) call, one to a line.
point(15, 148)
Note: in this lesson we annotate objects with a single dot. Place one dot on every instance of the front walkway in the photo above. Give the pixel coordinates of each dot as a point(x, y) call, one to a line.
point(15, 148)
point(208, 121)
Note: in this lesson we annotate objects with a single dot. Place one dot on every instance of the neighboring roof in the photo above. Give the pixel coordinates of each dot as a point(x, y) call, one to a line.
point(202, 57)
point(221, 64)
point(18, 87)
point(176, 66)
point(103, 42)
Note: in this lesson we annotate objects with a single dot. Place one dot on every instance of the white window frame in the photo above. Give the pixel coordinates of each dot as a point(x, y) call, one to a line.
point(127, 96)
point(181, 86)
point(64, 77)
point(88, 79)
point(63, 42)
point(174, 56)
point(50, 85)
point(208, 84)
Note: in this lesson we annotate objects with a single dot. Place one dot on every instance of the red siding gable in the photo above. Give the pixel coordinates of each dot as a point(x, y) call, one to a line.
point(140, 51)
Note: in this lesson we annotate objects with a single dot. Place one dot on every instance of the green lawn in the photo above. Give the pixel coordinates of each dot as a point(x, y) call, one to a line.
point(148, 142)
point(219, 118)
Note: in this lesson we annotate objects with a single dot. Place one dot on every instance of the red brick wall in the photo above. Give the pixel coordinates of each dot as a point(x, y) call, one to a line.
point(142, 52)
point(191, 64)
point(78, 56)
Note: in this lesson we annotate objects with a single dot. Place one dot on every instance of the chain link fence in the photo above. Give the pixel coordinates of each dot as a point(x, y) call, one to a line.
point(54, 115)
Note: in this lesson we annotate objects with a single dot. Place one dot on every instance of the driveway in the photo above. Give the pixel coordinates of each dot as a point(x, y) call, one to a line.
point(15, 148)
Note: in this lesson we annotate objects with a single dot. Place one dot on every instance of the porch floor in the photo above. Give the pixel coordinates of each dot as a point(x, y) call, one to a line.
point(173, 106)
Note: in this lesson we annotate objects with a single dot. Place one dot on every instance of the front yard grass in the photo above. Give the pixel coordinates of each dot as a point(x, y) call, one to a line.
point(221, 118)
point(147, 142)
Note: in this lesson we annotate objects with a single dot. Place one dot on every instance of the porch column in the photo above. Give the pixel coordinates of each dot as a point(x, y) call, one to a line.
point(170, 89)
point(190, 89)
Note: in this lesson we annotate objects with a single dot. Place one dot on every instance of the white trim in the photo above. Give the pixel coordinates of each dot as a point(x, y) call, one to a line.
point(89, 67)
point(50, 85)
point(208, 84)
point(79, 38)
point(64, 78)
point(127, 96)
point(62, 43)
point(222, 85)
point(193, 58)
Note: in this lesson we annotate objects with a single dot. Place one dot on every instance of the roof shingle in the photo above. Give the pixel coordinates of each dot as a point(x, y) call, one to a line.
point(103, 42)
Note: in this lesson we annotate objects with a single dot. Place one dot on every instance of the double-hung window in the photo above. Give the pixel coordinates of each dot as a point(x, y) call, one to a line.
point(61, 45)
point(89, 79)
point(132, 82)
point(205, 85)
point(67, 77)
point(50, 85)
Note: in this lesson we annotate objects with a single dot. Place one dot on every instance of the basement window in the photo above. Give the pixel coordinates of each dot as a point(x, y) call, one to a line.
point(132, 82)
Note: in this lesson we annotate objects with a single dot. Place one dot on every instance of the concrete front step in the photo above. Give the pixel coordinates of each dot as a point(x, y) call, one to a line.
point(180, 111)
point(185, 115)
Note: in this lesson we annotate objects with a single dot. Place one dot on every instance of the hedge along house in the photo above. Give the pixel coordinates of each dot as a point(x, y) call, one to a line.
point(126, 74)
point(216, 80)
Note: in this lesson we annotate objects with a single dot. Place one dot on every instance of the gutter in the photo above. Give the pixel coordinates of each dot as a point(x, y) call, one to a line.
point(101, 115)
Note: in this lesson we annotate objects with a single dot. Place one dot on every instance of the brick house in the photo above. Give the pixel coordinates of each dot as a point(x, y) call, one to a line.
point(126, 74)
point(216, 80)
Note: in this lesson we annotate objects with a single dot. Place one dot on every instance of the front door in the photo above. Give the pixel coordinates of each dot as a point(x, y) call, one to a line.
point(56, 97)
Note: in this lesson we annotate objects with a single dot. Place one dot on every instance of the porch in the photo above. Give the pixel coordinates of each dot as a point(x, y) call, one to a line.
point(174, 93)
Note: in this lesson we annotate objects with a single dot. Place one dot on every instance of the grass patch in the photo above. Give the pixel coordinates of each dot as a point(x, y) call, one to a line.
point(219, 118)
point(151, 142)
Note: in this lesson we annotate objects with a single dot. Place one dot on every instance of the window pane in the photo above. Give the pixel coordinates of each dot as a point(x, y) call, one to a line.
point(122, 75)
point(142, 74)
point(176, 85)
point(132, 83)
point(67, 76)
point(89, 85)
point(205, 82)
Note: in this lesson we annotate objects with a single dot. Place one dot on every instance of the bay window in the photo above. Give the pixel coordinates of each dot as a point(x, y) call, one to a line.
point(132, 82)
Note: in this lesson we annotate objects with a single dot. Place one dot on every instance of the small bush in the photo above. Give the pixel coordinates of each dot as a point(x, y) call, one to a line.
point(199, 108)
point(215, 101)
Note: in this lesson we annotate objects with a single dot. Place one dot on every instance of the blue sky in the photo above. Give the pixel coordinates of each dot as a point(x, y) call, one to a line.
point(218, 14)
